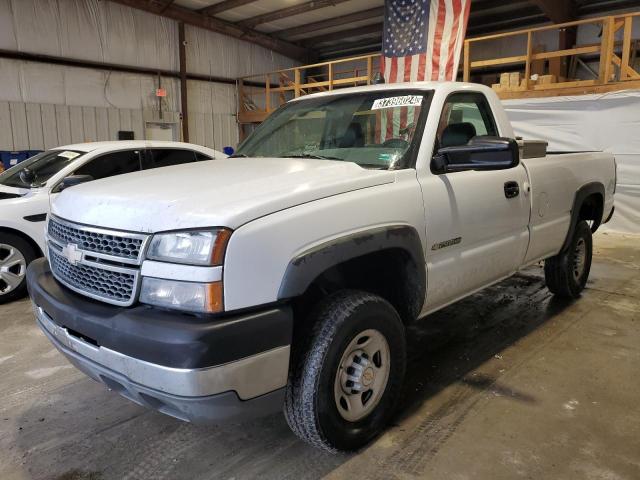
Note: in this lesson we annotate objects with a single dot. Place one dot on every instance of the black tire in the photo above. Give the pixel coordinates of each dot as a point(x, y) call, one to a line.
point(561, 274)
point(8, 294)
point(310, 406)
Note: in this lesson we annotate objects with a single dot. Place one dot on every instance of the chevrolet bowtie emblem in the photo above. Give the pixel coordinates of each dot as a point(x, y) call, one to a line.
point(72, 254)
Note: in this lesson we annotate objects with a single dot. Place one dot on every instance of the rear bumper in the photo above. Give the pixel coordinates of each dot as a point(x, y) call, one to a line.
point(240, 386)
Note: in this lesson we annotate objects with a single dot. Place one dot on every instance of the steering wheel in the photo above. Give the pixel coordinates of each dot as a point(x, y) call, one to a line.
point(395, 143)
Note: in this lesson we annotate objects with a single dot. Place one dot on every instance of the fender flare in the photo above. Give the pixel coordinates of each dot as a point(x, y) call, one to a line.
point(578, 200)
point(307, 266)
point(25, 236)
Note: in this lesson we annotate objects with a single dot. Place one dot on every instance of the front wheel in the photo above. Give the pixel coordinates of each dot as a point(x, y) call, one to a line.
point(346, 379)
point(566, 274)
point(15, 256)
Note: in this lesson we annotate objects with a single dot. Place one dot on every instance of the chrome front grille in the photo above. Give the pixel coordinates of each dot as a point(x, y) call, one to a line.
point(115, 286)
point(90, 261)
point(127, 246)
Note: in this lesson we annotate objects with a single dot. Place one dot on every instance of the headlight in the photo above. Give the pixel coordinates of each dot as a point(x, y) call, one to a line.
point(200, 247)
point(186, 296)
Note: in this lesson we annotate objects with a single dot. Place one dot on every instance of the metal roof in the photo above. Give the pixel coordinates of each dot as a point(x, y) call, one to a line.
point(312, 29)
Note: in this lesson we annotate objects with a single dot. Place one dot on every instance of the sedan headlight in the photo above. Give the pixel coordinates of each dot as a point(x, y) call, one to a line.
point(198, 247)
point(185, 296)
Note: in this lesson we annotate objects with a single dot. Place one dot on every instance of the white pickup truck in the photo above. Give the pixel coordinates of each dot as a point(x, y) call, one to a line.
point(285, 277)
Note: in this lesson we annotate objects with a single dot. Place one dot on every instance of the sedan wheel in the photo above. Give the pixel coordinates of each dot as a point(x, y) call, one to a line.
point(16, 254)
point(13, 268)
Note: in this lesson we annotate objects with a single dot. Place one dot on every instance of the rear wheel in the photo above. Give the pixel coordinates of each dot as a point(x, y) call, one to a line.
point(566, 274)
point(346, 378)
point(15, 255)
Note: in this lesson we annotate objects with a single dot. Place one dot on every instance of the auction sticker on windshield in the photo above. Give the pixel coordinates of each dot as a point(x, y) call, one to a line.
point(404, 101)
point(68, 154)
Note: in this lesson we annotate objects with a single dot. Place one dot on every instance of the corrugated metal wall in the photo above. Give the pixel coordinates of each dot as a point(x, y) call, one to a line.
point(45, 105)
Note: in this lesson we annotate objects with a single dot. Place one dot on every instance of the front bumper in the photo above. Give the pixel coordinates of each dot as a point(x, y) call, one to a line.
point(244, 386)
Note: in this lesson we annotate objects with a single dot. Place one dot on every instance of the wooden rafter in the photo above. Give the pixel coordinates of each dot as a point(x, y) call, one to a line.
point(330, 22)
point(194, 18)
point(224, 6)
point(288, 12)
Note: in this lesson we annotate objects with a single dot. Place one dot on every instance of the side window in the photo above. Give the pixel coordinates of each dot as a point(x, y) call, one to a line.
point(201, 157)
point(111, 164)
point(464, 116)
point(166, 157)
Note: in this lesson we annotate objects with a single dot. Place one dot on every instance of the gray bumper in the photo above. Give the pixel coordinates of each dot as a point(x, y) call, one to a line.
point(194, 395)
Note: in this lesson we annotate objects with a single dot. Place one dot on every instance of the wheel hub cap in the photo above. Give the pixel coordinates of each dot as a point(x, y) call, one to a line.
point(362, 375)
point(579, 259)
point(13, 268)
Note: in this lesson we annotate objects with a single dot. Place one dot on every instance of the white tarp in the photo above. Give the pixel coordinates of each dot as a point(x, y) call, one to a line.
point(609, 122)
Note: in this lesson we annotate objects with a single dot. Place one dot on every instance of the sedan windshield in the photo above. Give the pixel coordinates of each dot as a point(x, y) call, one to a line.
point(35, 171)
point(373, 129)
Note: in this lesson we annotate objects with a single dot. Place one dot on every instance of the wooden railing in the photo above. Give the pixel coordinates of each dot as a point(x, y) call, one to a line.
point(612, 72)
point(259, 95)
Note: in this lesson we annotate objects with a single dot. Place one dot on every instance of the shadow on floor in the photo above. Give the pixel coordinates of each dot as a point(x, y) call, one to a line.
point(82, 432)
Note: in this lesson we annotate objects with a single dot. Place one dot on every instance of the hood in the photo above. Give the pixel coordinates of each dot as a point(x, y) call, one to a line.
point(7, 192)
point(220, 193)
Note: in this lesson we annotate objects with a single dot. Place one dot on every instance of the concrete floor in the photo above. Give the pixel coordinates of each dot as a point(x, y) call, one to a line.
point(507, 384)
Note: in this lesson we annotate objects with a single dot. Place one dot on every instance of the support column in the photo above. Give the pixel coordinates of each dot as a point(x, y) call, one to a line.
point(183, 82)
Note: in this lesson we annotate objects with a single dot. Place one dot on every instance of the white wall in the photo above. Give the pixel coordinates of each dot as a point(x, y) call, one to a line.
point(44, 105)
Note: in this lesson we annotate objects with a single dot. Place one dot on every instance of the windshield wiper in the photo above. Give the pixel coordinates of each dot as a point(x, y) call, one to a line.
point(238, 155)
point(313, 156)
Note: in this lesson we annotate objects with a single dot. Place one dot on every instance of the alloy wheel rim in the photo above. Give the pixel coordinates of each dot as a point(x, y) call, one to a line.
point(362, 375)
point(13, 268)
point(579, 259)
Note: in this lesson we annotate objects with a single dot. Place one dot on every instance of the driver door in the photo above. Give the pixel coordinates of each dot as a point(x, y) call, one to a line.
point(476, 235)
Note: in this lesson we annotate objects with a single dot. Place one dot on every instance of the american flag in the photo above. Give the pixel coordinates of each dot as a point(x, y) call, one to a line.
point(422, 40)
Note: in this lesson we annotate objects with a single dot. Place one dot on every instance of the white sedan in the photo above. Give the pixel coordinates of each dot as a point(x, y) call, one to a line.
point(26, 189)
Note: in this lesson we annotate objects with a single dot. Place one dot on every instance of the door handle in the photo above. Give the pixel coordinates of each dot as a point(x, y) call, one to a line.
point(511, 189)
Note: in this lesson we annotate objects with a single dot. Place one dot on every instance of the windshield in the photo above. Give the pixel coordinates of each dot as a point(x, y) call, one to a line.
point(372, 129)
point(35, 171)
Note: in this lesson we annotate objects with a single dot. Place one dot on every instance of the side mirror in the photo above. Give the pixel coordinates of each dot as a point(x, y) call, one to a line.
point(480, 153)
point(73, 180)
point(27, 176)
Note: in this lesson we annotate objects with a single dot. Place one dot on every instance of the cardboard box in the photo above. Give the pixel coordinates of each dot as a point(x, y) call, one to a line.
point(514, 79)
point(504, 79)
point(546, 79)
point(498, 87)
